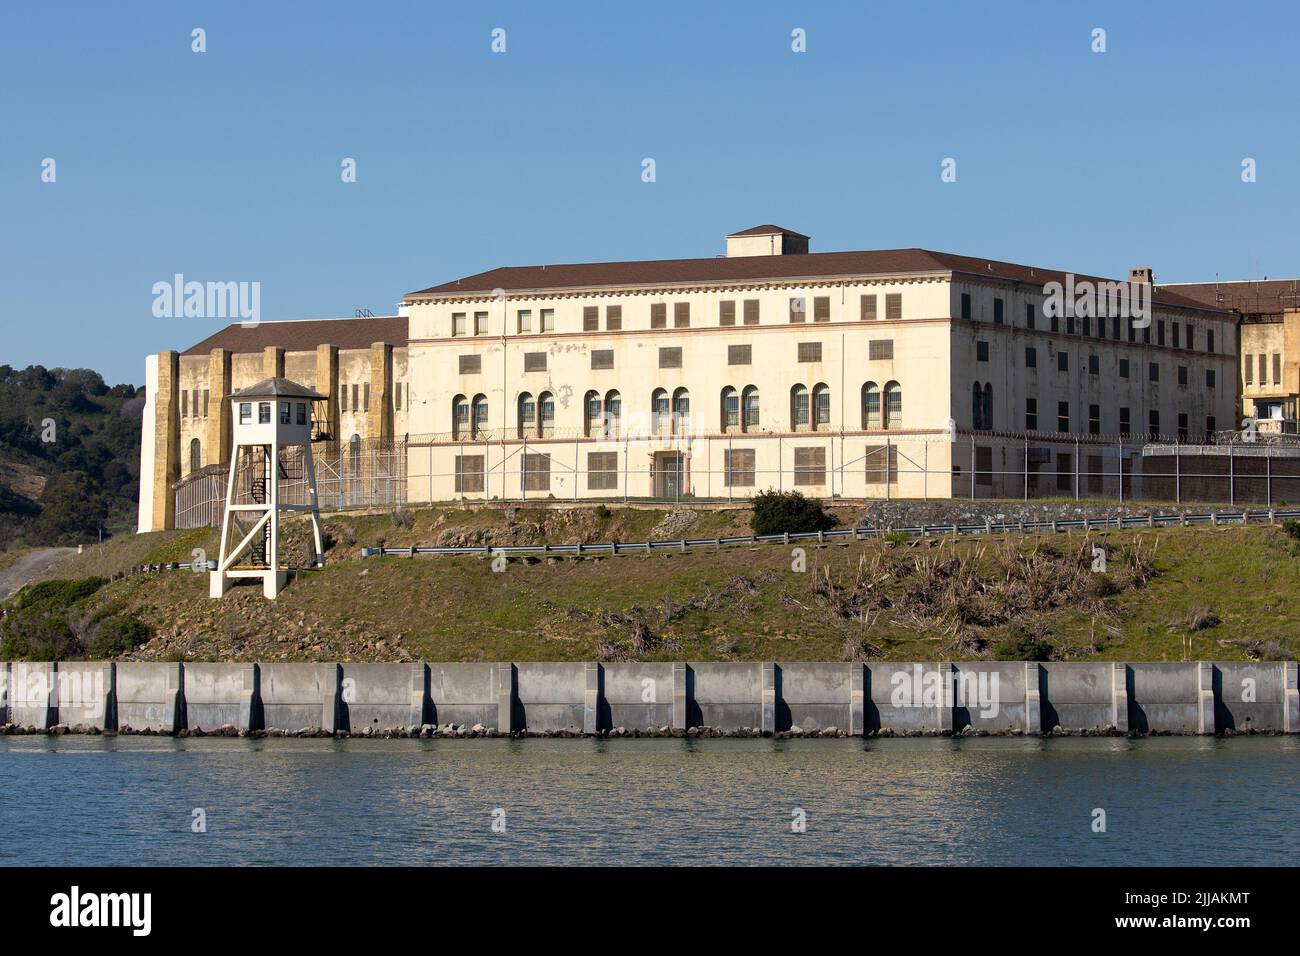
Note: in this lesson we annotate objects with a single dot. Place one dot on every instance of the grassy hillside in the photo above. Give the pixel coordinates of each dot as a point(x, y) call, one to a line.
point(69, 456)
point(1194, 593)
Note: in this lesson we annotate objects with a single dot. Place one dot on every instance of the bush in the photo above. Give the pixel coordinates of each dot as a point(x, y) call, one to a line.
point(1292, 528)
point(603, 513)
point(781, 512)
point(57, 595)
point(118, 635)
point(1023, 647)
point(39, 637)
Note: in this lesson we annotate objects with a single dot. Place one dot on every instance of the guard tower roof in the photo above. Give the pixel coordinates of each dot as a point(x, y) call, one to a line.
point(277, 387)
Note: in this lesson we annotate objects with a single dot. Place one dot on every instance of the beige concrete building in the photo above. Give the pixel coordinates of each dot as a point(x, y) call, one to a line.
point(899, 372)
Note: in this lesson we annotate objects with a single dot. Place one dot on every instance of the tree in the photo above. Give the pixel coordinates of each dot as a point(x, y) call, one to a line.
point(72, 511)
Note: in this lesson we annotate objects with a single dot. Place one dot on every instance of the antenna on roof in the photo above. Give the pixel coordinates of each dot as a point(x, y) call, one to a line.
point(363, 314)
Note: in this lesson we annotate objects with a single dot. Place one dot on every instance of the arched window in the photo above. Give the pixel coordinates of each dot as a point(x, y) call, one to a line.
point(821, 406)
point(988, 405)
point(527, 415)
point(799, 408)
point(730, 410)
point(459, 417)
point(196, 455)
point(871, 405)
point(478, 425)
point(893, 405)
point(613, 413)
point(658, 409)
point(590, 413)
point(977, 407)
point(545, 414)
point(749, 404)
point(681, 411)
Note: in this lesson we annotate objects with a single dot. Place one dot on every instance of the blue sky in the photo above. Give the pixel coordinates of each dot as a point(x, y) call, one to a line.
point(225, 166)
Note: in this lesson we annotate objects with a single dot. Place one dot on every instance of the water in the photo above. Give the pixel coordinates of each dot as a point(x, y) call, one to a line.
point(1015, 801)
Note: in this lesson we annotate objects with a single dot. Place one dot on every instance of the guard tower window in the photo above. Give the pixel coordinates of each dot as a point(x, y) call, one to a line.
point(245, 413)
point(264, 413)
point(302, 413)
point(285, 418)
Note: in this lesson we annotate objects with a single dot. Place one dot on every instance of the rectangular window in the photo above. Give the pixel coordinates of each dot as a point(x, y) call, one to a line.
point(397, 398)
point(810, 466)
point(1183, 429)
point(480, 323)
point(822, 309)
point(458, 323)
point(1087, 325)
point(894, 306)
point(983, 465)
point(356, 398)
point(471, 364)
point(1209, 378)
point(469, 474)
point(997, 311)
point(185, 403)
point(534, 361)
point(738, 468)
point(602, 358)
point(1031, 414)
point(524, 320)
point(881, 466)
point(1123, 368)
point(727, 312)
point(1031, 357)
point(681, 315)
point(263, 413)
point(1209, 426)
point(548, 320)
point(1125, 425)
point(1160, 332)
point(1177, 332)
point(810, 352)
point(365, 397)
point(591, 318)
point(1094, 365)
point(797, 307)
point(1209, 340)
point(965, 305)
point(1153, 424)
point(1062, 416)
point(613, 318)
point(301, 409)
point(867, 306)
point(245, 413)
point(1277, 368)
point(1062, 361)
point(740, 354)
point(1263, 369)
point(536, 472)
point(659, 315)
point(1153, 372)
point(751, 312)
point(1064, 471)
point(1182, 375)
point(1095, 474)
point(1029, 315)
point(1056, 322)
point(206, 399)
point(1249, 366)
point(602, 470)
point(670, 358)
point(1094, 419)
point(880, 350)
point(981, 351)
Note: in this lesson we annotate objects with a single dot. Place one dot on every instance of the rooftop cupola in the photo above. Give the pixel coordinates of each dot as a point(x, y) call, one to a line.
point(766, 240)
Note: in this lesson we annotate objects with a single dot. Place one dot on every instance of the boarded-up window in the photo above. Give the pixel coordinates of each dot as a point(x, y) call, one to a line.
point(681, 315)
point(868, 308)
point(670, 358)
point(1277, 368)
point(206, 399)
point(602, 470)
point(185, 404)
point(397, 396)
point(738, 468)
point(469, 473)
point(1250, 379)
point(534, 361)
point(880, 349)
point(983, 465)
point(537, 472)
point(740, 354)
point(751, 312)
point(602, 358)
point(471, 364)
point(810, 351)
point(881, 460)
point(613, 318)
point(894, 306)
point(727, 312)
point(659, 315)
point(1095, 475)
point(810, 466)
point(365, 398)
point(356, 399)
point(1064, 471)
point(822, 309)
point(591, 318)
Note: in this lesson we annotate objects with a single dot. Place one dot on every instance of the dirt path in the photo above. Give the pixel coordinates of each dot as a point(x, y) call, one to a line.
point(28, 567)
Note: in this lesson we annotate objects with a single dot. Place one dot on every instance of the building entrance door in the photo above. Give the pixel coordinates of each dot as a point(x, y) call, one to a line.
point(669, 468)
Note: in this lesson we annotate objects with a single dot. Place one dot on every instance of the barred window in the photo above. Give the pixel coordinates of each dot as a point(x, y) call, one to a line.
point(882, 461)
point(738, 468)
point(751, 312)
point(810, 351)
point(810, 466)
point(602, 358)
point(670, 357)
point(983, 465)
point(740, 354)
point(537, 472)
point(797, 308)
point(534, 361)
point(822, 309)
point(681, 315)
point(880, 349)
point(471, 364)
point(894, 306)
point(591, 318)
point(602, 470)
point(659, 315)
point(613, 318)
point(469, 473)
point(727, 312)
point(868, 308)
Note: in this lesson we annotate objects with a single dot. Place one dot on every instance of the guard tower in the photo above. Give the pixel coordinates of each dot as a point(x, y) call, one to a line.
point(271, 473)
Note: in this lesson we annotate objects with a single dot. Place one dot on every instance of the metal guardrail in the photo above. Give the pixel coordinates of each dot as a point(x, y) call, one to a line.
point(855, 534)
point(196, 566)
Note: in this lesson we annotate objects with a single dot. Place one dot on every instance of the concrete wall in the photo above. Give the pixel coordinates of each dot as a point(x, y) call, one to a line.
point(1198, 697)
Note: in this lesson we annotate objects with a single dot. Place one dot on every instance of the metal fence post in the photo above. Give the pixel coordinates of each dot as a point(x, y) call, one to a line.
point(1178, 475)
point(887, 447)
point(1232, 478)
point(972, 467)
point(1076, 469)
point(1268, 476)
point(1026, 468)
point(1121, 470)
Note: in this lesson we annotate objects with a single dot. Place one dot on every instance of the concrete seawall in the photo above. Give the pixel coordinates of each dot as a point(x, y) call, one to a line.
point(887, 699)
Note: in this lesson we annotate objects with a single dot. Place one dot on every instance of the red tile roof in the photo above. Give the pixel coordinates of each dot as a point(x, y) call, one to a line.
point(1258, 297)
point(305, 335)
point(760, 268)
